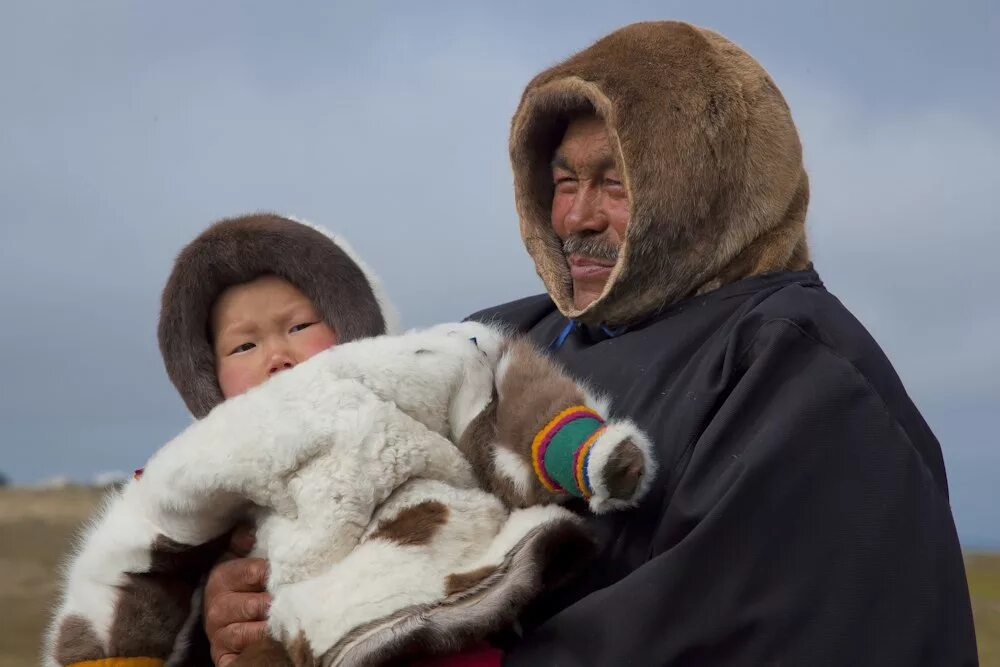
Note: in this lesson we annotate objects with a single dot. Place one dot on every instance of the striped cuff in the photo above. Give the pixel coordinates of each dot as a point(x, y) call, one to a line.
point(561, 449)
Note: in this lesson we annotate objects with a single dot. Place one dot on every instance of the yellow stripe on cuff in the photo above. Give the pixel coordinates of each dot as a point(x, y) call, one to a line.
point(120, 662)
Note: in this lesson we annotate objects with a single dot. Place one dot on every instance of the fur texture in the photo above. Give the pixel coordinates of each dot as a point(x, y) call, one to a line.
point(709, 156)
point(380, 540)
point(236, 250)
point(529, 389)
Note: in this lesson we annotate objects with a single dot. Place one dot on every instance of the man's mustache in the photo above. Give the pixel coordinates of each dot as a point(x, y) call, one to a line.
point(596, 246)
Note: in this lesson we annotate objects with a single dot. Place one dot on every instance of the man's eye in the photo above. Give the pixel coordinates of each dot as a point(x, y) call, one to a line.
point(565, 183)
point(615, 187)
point(245, 347)
point(300, 327)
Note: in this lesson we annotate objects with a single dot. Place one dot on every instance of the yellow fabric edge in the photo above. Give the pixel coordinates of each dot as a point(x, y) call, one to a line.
point(120, 662)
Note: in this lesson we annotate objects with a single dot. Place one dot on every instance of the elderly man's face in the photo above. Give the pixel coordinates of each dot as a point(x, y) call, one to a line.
point(589, 206)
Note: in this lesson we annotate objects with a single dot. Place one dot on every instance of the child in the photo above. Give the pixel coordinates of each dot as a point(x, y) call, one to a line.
point(383, 540)
point(345, 296)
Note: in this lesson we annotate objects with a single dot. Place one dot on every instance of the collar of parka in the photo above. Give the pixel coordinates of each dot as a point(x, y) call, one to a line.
point(708, 153)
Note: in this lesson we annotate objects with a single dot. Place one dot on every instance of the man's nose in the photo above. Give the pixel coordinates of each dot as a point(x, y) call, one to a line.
point(587, 213)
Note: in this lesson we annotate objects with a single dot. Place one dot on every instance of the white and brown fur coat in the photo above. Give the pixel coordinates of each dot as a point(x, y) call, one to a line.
point(384, 537)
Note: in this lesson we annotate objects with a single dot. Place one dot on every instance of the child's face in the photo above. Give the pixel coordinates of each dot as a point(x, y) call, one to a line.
point(260, 328)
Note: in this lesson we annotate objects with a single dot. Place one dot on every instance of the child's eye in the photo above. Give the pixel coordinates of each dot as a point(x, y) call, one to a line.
point(245, 347)
point(300, 327)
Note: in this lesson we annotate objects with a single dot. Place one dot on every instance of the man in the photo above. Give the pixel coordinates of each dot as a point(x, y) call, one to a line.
point(801, 516)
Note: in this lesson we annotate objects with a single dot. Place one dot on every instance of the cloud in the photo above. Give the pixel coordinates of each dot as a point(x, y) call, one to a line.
point(903, 225)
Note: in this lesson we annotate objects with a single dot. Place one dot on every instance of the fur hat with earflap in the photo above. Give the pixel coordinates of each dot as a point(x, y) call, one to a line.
point(345, 293)
point(709, 157)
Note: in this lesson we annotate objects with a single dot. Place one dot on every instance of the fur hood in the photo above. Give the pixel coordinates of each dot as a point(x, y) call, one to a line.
point(708, 153)
point(346, 293)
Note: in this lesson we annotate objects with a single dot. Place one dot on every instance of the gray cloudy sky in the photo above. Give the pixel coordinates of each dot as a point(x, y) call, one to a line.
point(125, 128)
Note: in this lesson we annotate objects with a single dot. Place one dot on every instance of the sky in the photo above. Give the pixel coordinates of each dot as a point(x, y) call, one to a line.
point(126, 128)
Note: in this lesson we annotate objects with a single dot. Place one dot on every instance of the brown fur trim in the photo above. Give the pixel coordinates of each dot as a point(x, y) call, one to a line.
point(301, 652)
point(414, 525)
point(170, 556)
point(543, 559)
point(76, 641)
point(476, 444)
point(149, 615)
point(625, 470)
point(237, 250)
point(532, 391)
point(153, 606)
point(463, 581)
point(709, 155)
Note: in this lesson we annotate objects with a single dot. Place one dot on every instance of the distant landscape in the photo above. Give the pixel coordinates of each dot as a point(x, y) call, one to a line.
point(38, 525)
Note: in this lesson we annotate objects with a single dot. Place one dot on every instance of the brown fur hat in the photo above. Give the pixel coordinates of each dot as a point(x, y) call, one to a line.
point(236, 250)
point(709, 157)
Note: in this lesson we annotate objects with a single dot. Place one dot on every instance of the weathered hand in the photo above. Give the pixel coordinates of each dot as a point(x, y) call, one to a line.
point(236, 602)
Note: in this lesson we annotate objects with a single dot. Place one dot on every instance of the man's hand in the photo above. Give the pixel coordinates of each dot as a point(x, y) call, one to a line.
point(236, 602)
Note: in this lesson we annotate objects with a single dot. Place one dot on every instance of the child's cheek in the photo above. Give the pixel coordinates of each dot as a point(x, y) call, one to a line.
point(236, 378)
point(321, 339)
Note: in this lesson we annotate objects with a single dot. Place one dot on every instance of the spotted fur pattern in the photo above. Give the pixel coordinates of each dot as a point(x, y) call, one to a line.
point(383, 538)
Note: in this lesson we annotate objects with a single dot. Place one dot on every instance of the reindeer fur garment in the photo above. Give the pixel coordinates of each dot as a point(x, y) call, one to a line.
point(381, 539)
point(709, 157)
point(805, 516)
